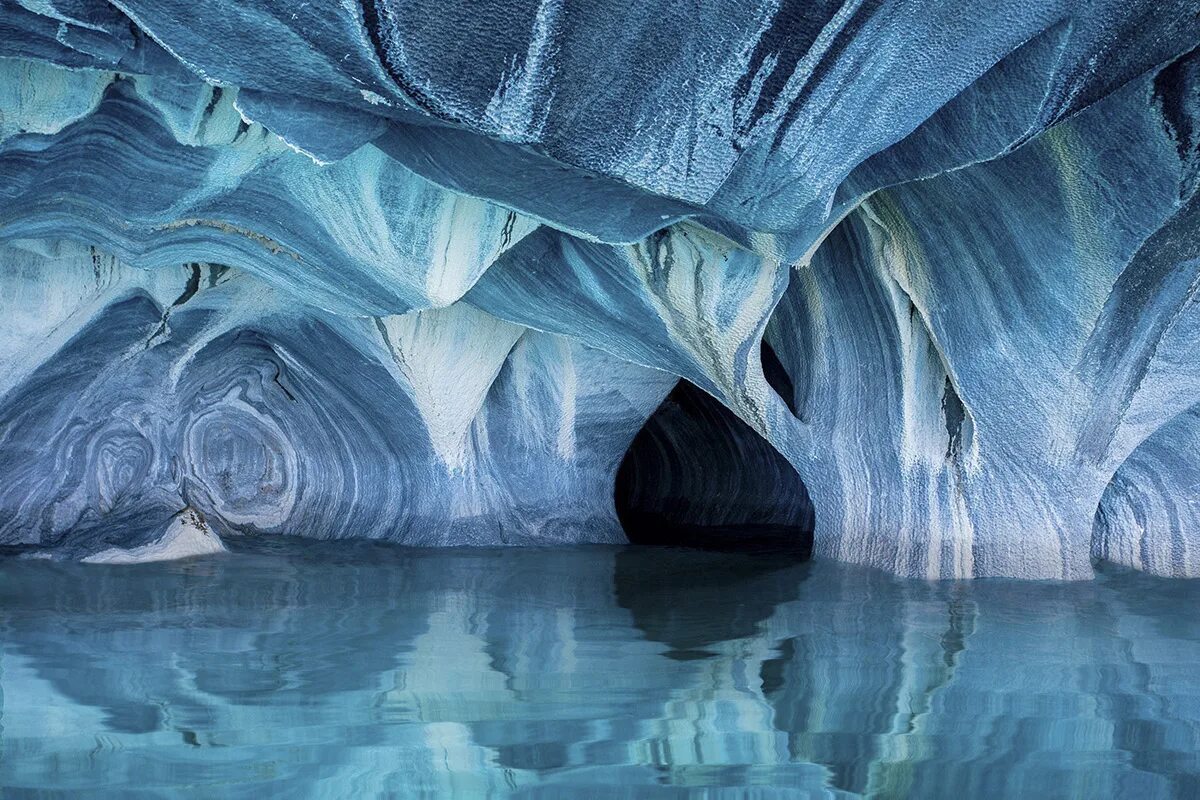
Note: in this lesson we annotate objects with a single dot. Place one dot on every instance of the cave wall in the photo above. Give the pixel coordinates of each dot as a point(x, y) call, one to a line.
point(421, 271)
point(202, 386)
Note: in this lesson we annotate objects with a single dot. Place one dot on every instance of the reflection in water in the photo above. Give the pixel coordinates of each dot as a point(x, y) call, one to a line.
point(355, 670)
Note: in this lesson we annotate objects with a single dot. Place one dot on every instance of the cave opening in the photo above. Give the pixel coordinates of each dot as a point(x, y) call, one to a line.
point(698, 476)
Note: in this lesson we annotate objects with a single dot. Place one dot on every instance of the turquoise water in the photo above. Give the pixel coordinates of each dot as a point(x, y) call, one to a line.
point(304, 670)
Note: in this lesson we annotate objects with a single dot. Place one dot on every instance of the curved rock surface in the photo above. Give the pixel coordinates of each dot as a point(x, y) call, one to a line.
point(422, 271)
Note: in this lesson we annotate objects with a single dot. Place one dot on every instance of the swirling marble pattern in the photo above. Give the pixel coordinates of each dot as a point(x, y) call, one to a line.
point(422, 272)
point(1148, 515)
point(428, 428)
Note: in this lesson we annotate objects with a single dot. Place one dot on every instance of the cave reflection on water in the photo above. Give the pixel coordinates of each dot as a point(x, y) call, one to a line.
point(340, 670)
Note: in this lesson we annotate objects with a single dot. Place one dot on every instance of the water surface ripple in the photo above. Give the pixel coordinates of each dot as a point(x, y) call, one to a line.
point(340, 670)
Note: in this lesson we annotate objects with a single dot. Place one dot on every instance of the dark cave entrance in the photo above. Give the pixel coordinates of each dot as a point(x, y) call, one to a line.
point(698, 476)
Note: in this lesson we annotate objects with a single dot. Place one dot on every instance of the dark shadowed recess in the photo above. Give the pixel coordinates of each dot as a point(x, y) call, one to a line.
point(697, 476)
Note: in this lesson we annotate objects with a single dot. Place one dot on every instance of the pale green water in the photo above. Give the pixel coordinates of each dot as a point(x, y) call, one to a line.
point(303, 670)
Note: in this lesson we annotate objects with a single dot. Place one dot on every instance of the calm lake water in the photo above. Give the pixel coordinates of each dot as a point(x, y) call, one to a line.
point(303, 670)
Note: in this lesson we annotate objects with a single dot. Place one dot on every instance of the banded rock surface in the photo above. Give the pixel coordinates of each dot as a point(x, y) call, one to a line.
point(422, 271)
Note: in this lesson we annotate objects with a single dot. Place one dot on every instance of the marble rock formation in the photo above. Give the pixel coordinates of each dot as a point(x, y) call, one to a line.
point(430, 271)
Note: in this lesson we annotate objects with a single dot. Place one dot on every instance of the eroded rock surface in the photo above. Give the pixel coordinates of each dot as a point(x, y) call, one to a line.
point(422, 271)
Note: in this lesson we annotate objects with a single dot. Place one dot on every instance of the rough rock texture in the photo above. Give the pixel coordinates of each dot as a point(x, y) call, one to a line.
point(187, 535)
point(421, 271)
